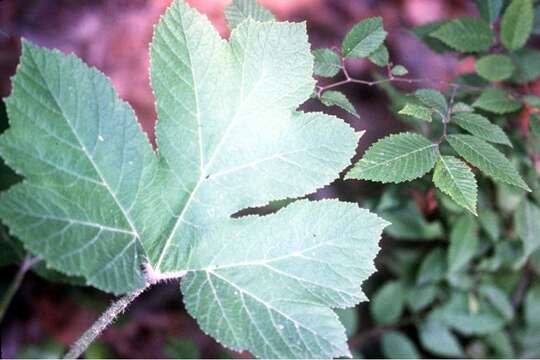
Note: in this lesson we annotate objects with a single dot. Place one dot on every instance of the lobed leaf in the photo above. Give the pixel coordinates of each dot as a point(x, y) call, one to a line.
point(396, 158)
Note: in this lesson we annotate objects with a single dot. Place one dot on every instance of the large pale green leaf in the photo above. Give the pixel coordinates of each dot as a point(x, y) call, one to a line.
point(453, 177)
point(85, 160)
point(466, 34)
point(487, 158)
point(264, 285)
point(516, 24)
point(364, 38)
point(396, 158)
point(98, 203)
point(241, 10)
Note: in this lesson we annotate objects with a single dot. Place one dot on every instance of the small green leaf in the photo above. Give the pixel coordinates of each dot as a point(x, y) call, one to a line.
point(417, 111)
point(497, 101)
point(465, 34)
point(327, 63)
point(432, 268)
point(436, 338)
point(240, 10)
point(481, 127)
point(421, 296)
point(336, 98)
point(533, 101)
point(462, 107)
point(489, 9)
point(386, 306)
point(487, 158)
point(516, 24)
point(499, 300)
point(532, 307)
point(380, 56)
point(527, 224)
point(432, 99)
point(453, 177)
point(495, 67)
point(463, 243)
point(423, 33)
point(364, 38)
point(491, 223)
point(527, 64)
point(395, 345)
point(396, 158)
point(399, 70)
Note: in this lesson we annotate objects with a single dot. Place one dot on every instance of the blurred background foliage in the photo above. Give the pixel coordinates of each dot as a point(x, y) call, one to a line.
point(476, 302)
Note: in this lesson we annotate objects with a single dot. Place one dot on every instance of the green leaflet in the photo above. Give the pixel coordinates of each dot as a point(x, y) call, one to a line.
point(98, 203)
point(396, 158)
point(436, 338)
point(489, 9)
point(380, 56)
point(241, 10)
point(516, 24)
point(327, 63)
point(466, 34)
point(487, 158)
point(481, 127)
point(453, 177)
point(336, 98)
point(399, 70)
point(364, 38)
point(395, 345)
point(387, 304)
point(417, 111)
point(497, 101)
point(463, 243)
point(432, 99)
point(292, 319)
point(527, 63)
point(527, 222)
point(495, 67)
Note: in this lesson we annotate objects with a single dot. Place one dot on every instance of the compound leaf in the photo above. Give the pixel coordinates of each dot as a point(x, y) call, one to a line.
point(486, 158)
point(517, 24)
point(241, 10)
point(396, 158)
point(466, 34)
point(364, 38)
point(481, 127)
point(453, 177)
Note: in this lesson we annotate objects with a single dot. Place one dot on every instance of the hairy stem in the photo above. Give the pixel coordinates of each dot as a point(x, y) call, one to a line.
point(26, 265)
point(102, 323)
